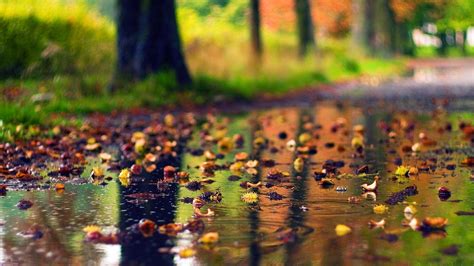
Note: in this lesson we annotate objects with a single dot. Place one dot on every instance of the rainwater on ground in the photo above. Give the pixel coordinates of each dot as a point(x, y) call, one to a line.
point(299, 228)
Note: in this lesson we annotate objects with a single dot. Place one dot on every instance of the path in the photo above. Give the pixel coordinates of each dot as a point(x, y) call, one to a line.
point(427, 78)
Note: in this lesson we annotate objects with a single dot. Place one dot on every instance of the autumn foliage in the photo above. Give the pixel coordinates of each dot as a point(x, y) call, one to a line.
point(405, 10)
point(330, 17)
point(333, 17)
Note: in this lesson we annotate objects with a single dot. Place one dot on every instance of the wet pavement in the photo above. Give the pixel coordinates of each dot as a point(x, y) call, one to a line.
point(453, 78)
point(290, 218)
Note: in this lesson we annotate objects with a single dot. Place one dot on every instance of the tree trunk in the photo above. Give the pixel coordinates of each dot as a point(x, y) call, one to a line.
point(384, 28)
point(255, 32)
point(358, 27)
point(370, 24)
point(442, 49)
point(403, 39)
point(464, 43)
point(362, 25)
point(305, 26)
point(128, 15)
point(159, 48)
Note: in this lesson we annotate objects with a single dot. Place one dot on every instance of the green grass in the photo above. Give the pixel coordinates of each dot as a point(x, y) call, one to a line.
point(81, 96)
point(47, 37)
point(87, 94)
point(431, 52)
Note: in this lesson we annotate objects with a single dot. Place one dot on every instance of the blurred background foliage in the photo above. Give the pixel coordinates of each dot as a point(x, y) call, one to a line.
point(52, 37)
point(56, 37)
point(47, 37)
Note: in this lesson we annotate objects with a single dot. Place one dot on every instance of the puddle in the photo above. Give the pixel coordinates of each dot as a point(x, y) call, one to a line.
point(299, 228)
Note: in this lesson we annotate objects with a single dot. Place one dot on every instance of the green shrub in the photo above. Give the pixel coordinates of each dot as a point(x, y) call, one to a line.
point(44, 37)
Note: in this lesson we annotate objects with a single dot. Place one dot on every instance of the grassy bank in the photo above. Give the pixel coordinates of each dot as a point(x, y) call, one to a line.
point(26, 103)
point(32, 101)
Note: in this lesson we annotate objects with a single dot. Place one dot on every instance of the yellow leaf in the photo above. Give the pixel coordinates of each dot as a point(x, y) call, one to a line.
point(304, 138)
point(140, 145)
point(187, 252)
point(236, 167)
point(91, 228)
point(250, 197)
point(124, 177)
point(298, 164)
point(380, 209)
point(342, 229)
point(137, 135)
point(169, 120)
point(220, 133)
point(402, 170)
point(357, 141)
point(225, 145)
point(97, 171)
point(209, 238)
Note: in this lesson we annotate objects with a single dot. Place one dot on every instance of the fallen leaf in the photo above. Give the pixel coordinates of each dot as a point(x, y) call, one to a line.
point(374, 224)
point(146, 227)
point(342, 230)
point(105, 156)
point(91, 228)
point(124, 177)
point(402, 170)
point(250, 197)
point(187, 252)
point(209, 238)
point(298, 164)
point(171, 229)
point(435, 222)
point(59, 186)
point(380, 209)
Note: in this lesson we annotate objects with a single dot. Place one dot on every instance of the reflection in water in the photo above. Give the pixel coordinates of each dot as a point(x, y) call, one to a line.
point(336, 254)
point(253, 216)
point(296, 214)
point(447, 75)
point(3, 256)
point(253, 235)
point(135, 249)
point(111, 254)
point(139, 250)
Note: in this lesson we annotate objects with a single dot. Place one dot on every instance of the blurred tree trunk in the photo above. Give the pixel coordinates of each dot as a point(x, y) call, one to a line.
point(362, 25)
point(305, 26)
point(384, 28)
point(255, 28)
point(159, 48)
point(442, 49)
point(128, 24)
point(403, 39)
point(464, 43)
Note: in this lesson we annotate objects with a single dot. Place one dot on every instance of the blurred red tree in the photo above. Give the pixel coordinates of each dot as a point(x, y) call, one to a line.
point(330, 17)
point(334, 17)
